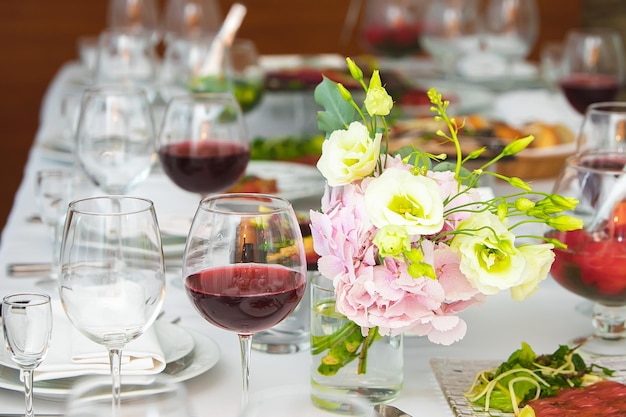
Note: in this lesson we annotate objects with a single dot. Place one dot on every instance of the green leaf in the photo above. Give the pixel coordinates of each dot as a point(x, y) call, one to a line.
point(337, 113)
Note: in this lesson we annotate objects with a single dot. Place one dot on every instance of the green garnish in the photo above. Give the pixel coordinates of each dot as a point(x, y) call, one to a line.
point(525, 376)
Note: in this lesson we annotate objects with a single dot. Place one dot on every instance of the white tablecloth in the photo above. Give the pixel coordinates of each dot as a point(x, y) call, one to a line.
point(495, 329)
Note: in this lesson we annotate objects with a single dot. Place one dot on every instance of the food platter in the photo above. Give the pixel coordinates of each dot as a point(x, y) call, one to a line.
point(455, 377)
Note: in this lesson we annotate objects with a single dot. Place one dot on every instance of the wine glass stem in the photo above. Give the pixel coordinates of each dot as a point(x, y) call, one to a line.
point(115, 357)
point(245, 343)
point(28, 391)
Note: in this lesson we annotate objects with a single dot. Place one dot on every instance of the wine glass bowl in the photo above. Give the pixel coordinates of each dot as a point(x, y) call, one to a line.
point(112, 280)
point(603, 128)
point(244, 265)
point(592, 265)
point(592, 67)
point(115, 137)
point(203, 144)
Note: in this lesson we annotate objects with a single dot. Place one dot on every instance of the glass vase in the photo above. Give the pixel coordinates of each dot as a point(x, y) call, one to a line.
point(340, 364)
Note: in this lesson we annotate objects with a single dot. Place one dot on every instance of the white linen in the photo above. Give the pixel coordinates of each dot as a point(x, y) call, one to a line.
point(72, 354)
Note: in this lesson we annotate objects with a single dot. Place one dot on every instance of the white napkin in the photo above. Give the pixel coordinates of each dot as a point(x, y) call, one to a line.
point(73, 354)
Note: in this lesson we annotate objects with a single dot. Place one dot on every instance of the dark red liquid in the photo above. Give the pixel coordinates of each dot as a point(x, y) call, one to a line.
point(246, 297)
point(394, 41)
point(204, 167)
point(583, 90)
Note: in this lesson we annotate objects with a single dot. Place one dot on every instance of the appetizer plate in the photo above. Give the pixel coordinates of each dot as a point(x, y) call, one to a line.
point(294, 181)
point(455, 377)
point(187, 353)
point(464, 98)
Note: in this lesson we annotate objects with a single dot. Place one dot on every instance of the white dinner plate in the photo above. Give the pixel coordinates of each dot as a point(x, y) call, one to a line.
point(57, 149)
point(187, 353)
point(464, 98)
point(293, 180)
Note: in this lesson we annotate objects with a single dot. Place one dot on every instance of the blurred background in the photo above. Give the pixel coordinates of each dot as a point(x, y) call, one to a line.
point(38, 36)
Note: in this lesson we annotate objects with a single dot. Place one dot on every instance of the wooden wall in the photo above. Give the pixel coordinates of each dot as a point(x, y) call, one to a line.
point(38, 36)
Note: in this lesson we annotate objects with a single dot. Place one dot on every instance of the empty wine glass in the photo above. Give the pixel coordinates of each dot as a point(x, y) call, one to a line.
point(27, 327)
point(510, 29)
point(592, 67)
point(127, 57)
point(53, 193)
point(450, 31)
point(115, 138)
point(203, 144)
point(112, 280)
point(136, 15)
point(603, 128)
point(244, 265)
point(592, 264)
point(191, 17)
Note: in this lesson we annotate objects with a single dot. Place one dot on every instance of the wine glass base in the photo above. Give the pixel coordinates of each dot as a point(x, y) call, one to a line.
point(598, 346)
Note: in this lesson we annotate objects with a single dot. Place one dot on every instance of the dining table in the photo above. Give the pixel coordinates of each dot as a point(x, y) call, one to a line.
point(495, 328)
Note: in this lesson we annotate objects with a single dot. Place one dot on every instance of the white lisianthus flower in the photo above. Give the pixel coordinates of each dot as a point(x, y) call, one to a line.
point(539, 259)
point(392, 241)
point(400, 198)
point(489, 259)
point(349, 155)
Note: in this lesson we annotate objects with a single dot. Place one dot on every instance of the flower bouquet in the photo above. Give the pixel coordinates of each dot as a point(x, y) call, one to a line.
point(408, 239)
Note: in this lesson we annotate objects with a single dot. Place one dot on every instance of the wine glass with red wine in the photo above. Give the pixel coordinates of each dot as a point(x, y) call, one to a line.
point(203, 144)
point(244, 265)
point(592, 67)
point(593, 263)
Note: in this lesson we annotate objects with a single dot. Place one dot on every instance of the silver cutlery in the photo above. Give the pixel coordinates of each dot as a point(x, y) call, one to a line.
point(386, 410)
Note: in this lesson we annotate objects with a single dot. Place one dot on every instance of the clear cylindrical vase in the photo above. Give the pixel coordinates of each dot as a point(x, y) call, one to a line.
point(346, 362)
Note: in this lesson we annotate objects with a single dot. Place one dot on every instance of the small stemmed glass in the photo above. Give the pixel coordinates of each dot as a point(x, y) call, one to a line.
point(244, 265)
point(53, 193)
point(115, 137)
point(112, 281)
point(27, 327)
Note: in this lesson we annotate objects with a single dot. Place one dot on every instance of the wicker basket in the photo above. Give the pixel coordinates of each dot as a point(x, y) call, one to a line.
point(537, 163)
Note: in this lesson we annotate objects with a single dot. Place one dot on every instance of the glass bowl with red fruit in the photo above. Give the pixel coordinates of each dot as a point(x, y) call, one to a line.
point(593, 265)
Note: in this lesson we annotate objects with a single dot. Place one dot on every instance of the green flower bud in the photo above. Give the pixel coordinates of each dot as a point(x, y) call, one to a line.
point(475, 154)
point(565, 223)
point(566, 203)
point(354, 69)
point(502, 210)
point(524, 204)
point(420, 270)
point(434, 98)
point(392, 241)
point(517, 145)
point(345, 94)
point(519, 183)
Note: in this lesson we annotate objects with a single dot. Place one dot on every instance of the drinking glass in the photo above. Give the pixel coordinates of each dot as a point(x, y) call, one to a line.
point(510, 28)
point(592, 265)
point(112, 279)
point(27, 326)
point(53, 193)
point(203, 144)
point(592, 69)
point(191, 17)
point(450, 31)
point(115, 137)
point(244, 265)
point(603, 128)
point(142, 396)
point(137, 15)
point(392, 27)
point(127, 57)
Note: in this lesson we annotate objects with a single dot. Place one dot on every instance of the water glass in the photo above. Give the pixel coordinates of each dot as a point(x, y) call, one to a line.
point(27, 327)
point(603, 128)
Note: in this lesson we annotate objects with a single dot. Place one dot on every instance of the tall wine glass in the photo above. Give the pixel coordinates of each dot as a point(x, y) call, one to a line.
point(27, 327)
point(450, 31)
point(203, 143)
point(112, 280)
point(592, 69)
point(592, 265)
point(244, 265)
point(115, 138)
point(137, 15)
point(603, 128)
point(183, 18)
point(510, 28)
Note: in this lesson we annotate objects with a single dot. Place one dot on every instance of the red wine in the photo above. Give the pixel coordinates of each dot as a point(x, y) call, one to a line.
point(204, 166)
point(394, 41)
point(246, 297)
point(581, 90)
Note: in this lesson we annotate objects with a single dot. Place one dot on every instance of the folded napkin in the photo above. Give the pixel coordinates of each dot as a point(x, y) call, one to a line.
point(73, 354)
